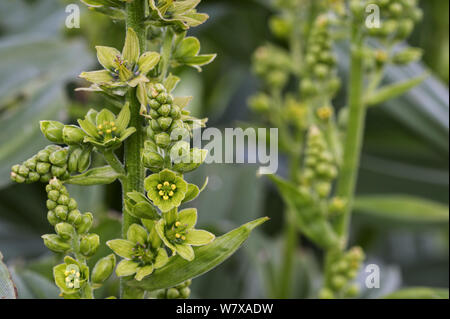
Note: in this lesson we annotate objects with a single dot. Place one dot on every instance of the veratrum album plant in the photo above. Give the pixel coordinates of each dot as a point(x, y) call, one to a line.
point(161, 249)
point(324, 147)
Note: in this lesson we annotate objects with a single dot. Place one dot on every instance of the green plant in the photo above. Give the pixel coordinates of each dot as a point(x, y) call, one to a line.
point(323, 143)
point(153, 127)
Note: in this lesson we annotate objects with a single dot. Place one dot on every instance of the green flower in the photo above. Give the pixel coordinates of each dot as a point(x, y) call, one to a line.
point(122, 70)
point(104, 130)
point(178, 233)
point(180, 14)
point(71, 276)
point(165, 189)
point(142, 251)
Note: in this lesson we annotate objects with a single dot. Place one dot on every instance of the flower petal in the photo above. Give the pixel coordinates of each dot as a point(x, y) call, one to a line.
point(199, 237)
point(123, 118)
point(137, 234)
point(88, 127)
point(148, 61)
point(188, 217)
point(127, 133)
point(161, 259)
point(105, 115)
point(98, 77)
point(106, 57)
point(185, 252)
point(160, 230)
point(126, 268)
point(122, 247)
point(130, 50)
point(143, 272)
point(167, 175)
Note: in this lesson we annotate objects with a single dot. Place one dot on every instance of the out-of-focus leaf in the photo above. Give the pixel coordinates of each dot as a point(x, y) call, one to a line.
point(419, 293)
point(207, 257)
point(31, 285)
point(403, 208)
point(394, 90)
point(7, 288)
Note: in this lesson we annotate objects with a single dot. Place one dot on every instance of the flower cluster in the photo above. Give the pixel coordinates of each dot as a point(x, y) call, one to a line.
point(343, 269)
point(320, 63)
point(273, 65)
point(320, 166)
point(46, 164)
point(72, 227)
point(181, 291)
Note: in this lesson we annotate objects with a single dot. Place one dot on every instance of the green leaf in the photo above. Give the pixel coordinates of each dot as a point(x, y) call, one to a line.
point(403, 208)
point(95, 176)
point(7, 288)
point(308, 214)
point(189, 47)
point(419, 293)
point(394, 90)
point(207, 257)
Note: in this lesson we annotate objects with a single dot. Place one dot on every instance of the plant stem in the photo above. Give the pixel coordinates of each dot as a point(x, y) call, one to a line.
point(135, 171)
point(354, 136)
point(114, 162)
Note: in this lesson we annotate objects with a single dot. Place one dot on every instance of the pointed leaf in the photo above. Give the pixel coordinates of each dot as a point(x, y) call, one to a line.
point(98, 77)
point(207, 257)
point(123, 118)
point(121, 247)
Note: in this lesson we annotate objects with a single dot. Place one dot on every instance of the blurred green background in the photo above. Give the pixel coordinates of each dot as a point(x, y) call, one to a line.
point(406, 150)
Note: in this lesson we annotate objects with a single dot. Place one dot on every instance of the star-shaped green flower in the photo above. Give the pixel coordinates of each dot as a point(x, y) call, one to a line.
point(166, 189)
point(71, 276)
point(122, 70)
point(104, 130)
point(181, 14)
point(143, 252)
point(178, 233)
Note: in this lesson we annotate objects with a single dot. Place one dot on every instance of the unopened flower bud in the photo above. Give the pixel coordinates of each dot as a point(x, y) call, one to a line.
point(89, 244)
point(73, 135)
point(103, 269)
point(59, 157)
point(64, 230)
point(86, 223)
point(173, 293)
point(56, 243)
point(407, 56)
point(162, 140)
point(52, 130)
point(61, 212)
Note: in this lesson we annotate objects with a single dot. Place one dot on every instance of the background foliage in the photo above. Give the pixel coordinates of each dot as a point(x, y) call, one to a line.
point(405, 154)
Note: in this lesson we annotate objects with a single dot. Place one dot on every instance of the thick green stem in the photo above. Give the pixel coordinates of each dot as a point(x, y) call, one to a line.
point(133, 145)
point(354, 136)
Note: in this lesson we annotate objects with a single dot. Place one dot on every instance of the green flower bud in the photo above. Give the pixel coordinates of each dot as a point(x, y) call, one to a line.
point(51, 204)
point(164, 123)
point(280, 27)
point(51, 217)
point(323, 189)
point(103, 269)
point(73, 135)
point(45, 178)
point(172, 293)
point(326, 293)
point(59, 157)
point(43, 155)
point(164, 110)
point(162, 98)
point(352, 291)
point(154, 104)
point(162, 140)
point(152, 160)
point(61, 212)
point(56, 243)
point(89, 244)
point(74, 156)
point(260, 102)
point(72, 204)
point(84, 161)
point(338, 282)
point(185, 292)
point(175, 112)
point(43, 168)
point(74, 217)
point(52, 130)
point(407, 56)
point(85, 223)
point(58, 171)
point(63, 200)
point(64, 230)
point(56, 184)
